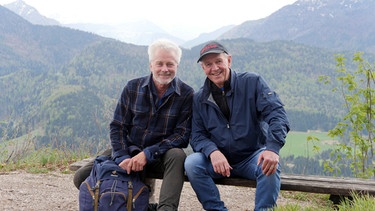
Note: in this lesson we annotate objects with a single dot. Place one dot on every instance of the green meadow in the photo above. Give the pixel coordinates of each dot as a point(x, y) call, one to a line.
point(297, 144)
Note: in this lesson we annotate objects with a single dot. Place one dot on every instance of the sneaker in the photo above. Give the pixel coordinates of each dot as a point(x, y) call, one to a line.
point(152, 207)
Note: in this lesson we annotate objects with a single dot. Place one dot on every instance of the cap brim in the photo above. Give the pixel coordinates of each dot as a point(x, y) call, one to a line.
point(208, 52)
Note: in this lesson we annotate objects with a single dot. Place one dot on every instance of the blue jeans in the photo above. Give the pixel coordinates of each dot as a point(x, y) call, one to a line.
point(201, 174)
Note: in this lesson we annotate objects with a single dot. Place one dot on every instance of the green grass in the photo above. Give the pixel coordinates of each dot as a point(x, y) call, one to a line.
point(42, 160)
point(297, 144)
point(359, 203)
point(22, 154)
point(306, 202)
point(321, 202)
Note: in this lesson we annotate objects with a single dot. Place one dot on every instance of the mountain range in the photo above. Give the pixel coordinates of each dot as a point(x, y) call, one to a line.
point(332, 24)
point(60, 85)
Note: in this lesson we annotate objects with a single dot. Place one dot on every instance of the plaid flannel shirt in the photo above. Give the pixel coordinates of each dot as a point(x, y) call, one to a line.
point(139, 123)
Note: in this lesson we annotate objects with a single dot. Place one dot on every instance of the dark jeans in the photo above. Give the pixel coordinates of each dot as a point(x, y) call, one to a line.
point(170, 168)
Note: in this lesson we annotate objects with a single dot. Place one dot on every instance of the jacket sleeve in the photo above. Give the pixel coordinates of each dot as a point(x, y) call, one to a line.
point(273, 113)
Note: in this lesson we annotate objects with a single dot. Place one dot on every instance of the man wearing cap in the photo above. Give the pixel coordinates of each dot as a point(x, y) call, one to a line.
point(239, 126)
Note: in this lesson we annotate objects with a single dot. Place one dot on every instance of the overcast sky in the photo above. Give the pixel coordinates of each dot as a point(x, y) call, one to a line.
point(196, 16)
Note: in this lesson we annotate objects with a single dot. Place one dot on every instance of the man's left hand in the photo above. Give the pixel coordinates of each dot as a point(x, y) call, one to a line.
point(137, 163)
point(269, 161)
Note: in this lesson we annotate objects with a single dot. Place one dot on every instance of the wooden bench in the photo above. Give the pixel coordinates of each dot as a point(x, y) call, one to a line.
point(336, 187)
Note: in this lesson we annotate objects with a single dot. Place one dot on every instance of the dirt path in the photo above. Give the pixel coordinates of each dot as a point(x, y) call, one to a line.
point(55, 191)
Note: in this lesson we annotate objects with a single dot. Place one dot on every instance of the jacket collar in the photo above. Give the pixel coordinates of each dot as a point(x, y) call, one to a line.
point(206, 86)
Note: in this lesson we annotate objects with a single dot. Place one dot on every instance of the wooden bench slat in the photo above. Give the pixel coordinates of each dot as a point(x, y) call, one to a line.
point(330, 185)
point(302, 183)
point(328, 179)
point(76, 165)
point(312, 184)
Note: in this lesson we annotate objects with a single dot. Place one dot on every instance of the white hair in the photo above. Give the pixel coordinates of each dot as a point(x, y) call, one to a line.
point(166, 45)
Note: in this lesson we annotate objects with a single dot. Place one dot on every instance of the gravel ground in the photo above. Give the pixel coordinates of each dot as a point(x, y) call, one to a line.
point(55, 191)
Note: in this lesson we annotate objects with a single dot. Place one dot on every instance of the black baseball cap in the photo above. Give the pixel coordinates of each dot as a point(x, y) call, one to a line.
point(212, 47)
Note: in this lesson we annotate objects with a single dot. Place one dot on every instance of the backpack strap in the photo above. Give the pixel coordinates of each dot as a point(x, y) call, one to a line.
point(130, 195)
point(96, 196)
point(90, 189)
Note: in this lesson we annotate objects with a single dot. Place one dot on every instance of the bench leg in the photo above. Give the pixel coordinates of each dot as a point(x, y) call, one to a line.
point(337, 199)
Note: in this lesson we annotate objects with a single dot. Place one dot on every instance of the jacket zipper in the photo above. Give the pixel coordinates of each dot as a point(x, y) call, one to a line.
point(223, 95)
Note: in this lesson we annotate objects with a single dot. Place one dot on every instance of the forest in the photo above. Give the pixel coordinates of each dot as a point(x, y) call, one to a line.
point(69, 99)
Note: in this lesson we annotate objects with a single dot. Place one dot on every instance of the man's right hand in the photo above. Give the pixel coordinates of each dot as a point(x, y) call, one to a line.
point(220, 163)
point(125, 165)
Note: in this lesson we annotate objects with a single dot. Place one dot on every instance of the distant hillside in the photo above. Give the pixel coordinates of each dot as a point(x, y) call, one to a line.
point(61, 85)
point(42, 47)
point(30, 13)
point(137, 32)
point(207, 36)
point(330, 24)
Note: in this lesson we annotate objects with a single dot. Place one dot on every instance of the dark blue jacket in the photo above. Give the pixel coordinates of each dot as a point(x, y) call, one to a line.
point(257, 119)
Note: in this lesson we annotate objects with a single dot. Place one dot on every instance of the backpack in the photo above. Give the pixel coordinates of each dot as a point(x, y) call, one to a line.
point(109, 187)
